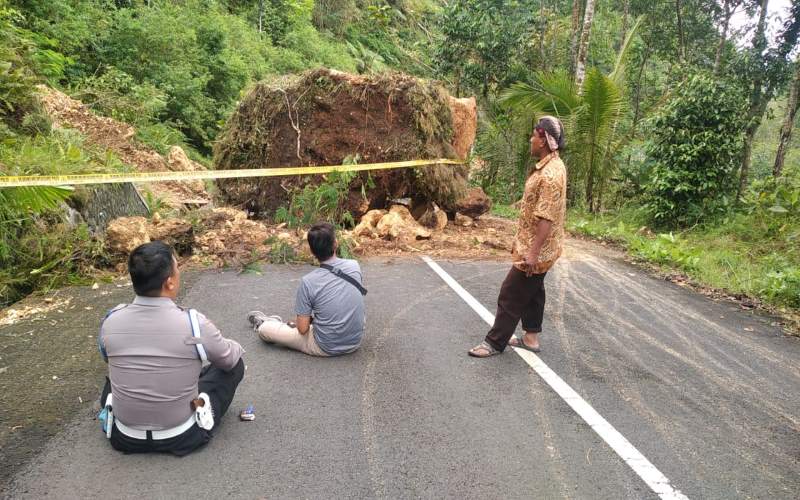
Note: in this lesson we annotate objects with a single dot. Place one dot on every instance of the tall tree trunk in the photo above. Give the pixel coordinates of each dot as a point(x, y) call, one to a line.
point(625, 9)
point(638, 97)
point(590, 185)
point(543, 30)
point(681, 39)
point(260, 16)
point(788, 121)
point(576, 20)
point(723, 38)
point(583, 48)
point(758, 101)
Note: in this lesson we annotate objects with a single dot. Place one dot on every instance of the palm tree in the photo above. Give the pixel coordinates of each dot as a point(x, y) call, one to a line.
point(592, 113)
point(16, 205)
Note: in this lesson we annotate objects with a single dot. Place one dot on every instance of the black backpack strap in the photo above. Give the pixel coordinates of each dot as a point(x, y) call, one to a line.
point(346, 277)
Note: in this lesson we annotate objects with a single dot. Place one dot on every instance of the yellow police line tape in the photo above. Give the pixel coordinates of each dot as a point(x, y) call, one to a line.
point(74, 180)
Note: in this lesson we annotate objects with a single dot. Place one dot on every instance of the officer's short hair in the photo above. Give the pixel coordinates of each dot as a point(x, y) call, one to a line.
point(321, 238)
point(149, 266)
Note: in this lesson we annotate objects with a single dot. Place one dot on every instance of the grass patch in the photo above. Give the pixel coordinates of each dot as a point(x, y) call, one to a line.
point(740, 253)
point(507, 211)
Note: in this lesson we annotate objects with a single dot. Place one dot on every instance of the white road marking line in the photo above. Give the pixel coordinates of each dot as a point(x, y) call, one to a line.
point(657, 481)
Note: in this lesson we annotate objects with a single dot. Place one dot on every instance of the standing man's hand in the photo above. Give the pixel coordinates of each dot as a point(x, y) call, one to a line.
point(532, 258)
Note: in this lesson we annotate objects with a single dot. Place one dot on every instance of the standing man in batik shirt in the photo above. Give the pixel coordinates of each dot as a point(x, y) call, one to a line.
point(537, 246)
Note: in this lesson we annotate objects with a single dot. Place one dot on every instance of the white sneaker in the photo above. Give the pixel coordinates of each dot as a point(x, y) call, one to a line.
point(257, 318)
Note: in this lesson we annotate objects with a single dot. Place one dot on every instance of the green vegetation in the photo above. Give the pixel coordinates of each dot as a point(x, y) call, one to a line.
point(694, 150)
point(325, 201)
point(662, 119)
point(507, 211)
point(174, 70)
point(740, 253)
point(667, 109)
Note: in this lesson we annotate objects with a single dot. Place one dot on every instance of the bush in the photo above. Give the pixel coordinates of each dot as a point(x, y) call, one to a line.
point(197, 55)
point(334, 15)
point(47, 256)
point(777, 198)
point(16, 78)
point(694, 150)
point(116, 94)
point(324, 201)
point(783, 286)
point(36, 249)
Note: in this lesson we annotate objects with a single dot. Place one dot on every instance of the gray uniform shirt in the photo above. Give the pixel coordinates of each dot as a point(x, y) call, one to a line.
point(153, 362)
point(336, 305)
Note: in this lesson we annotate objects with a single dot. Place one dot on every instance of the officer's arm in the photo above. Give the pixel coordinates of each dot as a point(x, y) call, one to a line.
point(223, 353)
point(101, 346)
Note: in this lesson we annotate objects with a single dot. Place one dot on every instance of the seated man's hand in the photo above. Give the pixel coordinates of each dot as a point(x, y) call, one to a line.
point(303, 324)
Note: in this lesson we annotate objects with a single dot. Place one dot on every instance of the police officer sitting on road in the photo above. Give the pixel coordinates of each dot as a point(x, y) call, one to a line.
point(158, 396)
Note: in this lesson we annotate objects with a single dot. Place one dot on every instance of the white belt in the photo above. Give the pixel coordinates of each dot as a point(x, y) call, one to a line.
point(157, 435)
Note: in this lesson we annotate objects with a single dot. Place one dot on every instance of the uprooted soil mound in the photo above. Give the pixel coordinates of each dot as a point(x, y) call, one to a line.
point(118, 138)
point(325, 117)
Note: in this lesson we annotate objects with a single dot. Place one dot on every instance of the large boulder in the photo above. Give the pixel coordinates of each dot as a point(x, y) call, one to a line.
point(368, 226)
point(178, 233)
point(179, 162)
point(126, 233)
point(462, 220)
point(327, 117)
point(474, 204)
point(432, 217)
point(465, 124)
point(399, 225)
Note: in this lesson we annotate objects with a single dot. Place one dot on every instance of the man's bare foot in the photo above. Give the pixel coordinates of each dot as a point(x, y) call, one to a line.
point(483, 350)
point(529, 341)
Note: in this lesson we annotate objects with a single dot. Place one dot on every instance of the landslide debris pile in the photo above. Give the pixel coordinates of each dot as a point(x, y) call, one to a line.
point(211, 237)
point(325, 117)
point(118, 137)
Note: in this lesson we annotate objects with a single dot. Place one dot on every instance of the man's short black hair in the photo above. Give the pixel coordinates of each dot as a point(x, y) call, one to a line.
point(150, 265)
point(321, 238)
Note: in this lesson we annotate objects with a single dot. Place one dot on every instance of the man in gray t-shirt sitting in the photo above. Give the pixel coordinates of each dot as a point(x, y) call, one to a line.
point(332, 295)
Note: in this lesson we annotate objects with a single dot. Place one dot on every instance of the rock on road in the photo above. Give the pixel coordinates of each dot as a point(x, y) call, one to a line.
point(713, 405)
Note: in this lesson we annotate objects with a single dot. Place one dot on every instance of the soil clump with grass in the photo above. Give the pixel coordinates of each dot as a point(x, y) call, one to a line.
point(326, 117)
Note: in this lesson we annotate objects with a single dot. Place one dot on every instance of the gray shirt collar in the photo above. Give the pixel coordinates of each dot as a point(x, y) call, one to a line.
point(153, 301)
point(331, 261)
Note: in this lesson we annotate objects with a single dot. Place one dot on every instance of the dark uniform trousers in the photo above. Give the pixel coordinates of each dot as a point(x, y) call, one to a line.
point(521, 297)
point(220, 385)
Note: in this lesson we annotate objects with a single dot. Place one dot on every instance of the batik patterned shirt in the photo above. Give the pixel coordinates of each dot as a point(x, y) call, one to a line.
point(545, 197)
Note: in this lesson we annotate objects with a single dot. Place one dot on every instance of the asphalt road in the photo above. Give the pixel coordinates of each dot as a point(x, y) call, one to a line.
point(713, 405)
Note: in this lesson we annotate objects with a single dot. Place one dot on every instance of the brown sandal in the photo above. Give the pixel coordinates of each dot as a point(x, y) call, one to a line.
point(520, 344)
point(485, 346)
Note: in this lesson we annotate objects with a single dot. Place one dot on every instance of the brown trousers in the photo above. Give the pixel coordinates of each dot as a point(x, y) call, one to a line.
point(521, 297)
